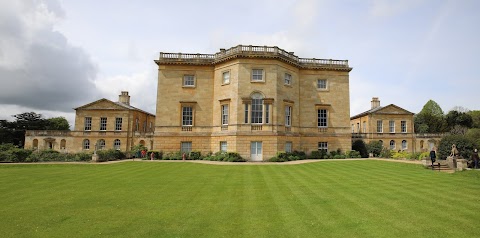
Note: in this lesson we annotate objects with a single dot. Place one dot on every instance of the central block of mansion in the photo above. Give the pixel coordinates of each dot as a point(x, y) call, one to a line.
point(254, 100)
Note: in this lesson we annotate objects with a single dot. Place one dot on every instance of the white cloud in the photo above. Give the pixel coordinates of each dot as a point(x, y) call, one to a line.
point(140, 86)
point(38, 67)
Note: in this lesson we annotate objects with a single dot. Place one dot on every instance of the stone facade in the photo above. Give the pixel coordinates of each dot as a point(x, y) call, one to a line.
point(254, 100)
point(104, 123)
point(393, 126)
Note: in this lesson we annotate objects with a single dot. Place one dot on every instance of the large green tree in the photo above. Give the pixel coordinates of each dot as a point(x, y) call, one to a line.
point(475, 118)
point(57, 123)
point(430, 119)
point(458, 122)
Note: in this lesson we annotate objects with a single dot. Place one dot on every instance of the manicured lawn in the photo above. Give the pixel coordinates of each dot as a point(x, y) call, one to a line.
point(324, 199)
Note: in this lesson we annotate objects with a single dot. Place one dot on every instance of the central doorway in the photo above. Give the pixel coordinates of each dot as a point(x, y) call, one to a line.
point(256, 151)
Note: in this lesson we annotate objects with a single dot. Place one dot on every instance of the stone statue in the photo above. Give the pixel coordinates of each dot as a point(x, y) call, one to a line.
point(454, 151)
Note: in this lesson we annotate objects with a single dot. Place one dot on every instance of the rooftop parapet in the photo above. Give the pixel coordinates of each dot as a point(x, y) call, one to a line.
point(249, 51)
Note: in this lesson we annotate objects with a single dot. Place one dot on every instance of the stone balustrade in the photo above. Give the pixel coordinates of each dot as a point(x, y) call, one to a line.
point(251, 51)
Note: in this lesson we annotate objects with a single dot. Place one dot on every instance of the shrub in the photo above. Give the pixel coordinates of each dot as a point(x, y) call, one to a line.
point(317, 155)
point(299, 154)
point(464, 144)
point(354, 154)
point(375, 147)
point(225, 156)
point(110, 155)
point(386, 153)
point(361, 147)
point(173, 156)
point(195, 155)
point(10, 153)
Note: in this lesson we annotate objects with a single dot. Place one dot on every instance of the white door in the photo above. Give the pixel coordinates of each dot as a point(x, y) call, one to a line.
point(256, 150)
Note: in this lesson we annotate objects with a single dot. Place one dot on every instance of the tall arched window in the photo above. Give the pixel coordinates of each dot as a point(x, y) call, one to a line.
point(35, 144)
point(257, 108)
point(63, 144)
point(392, 144)
point(86, 144)
point(404, 144)
point(116, 144)
point(101, 144)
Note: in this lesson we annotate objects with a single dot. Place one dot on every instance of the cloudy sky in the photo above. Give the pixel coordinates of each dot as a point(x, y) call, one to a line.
point(60, 54)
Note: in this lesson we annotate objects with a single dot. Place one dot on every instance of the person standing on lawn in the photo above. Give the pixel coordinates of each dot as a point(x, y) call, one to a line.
point(433, 156)
point(475, 158)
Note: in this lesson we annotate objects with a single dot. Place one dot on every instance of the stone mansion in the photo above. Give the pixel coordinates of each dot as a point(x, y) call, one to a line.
point(254, 100)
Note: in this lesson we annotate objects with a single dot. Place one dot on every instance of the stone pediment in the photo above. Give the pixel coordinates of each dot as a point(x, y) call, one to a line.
point(103, 104)
point(392, 109)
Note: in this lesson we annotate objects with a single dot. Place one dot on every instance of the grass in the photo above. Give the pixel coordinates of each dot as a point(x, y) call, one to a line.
point(324, 199)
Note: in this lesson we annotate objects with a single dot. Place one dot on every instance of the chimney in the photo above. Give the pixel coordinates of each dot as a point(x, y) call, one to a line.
point(375, 102)
point(124, 98)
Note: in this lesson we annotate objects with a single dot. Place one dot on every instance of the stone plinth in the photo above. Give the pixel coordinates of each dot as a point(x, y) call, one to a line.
point(452, 162)
point(94, 158)
point(462, 164)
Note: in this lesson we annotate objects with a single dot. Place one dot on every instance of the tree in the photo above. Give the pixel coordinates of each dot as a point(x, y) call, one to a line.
point(57, 123)
point(474, 135)
point(475, 118)
point(375, 147)
point(30, 121)
point(458, 122)
point(430, 119)
point(360, 146)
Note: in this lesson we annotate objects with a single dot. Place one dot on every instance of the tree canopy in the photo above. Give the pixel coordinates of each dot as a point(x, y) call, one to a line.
point(430, 119)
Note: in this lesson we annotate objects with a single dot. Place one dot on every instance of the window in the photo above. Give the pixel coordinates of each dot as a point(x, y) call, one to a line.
point(226, 77)
point(151, 126)
point(404, 126)
point(186, 147)
point(223, 146)
point(379, 126)
point(189, 81)
point(118, 124)
point(136, 124)
point(257, 74)
point(392, 126)
point(225, 114)
point(145, 126)
point(392, 144)
point(288, 115)
point(404, 144)
point(86, 144)
point(321, 83)
point(101, 144)
point(116, 144)
point(187, 116)
point(88, 123)
point(257, 108)
point(246, 113)
point(381, 143)
point(323, 147)
point(288, 146)
point(288, 79)
point(353, 128)
point(103, 123)
point(364, 127)
point(322, 118)
point(358, 127)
